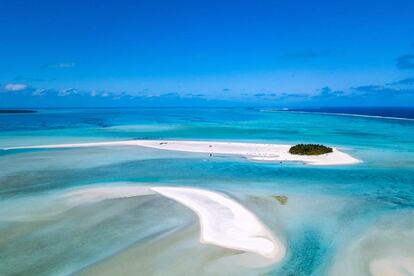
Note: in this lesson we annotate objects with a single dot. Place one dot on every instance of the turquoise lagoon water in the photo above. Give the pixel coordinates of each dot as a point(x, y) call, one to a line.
point(339, 220)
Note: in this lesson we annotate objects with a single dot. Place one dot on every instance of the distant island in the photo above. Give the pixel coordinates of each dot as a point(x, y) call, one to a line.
point(17, 111)
point(309, 149)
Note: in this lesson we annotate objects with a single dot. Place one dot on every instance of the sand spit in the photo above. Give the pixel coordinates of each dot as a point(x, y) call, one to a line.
point(252, 151)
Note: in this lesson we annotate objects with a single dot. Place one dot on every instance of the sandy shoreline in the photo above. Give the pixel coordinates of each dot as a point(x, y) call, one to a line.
point(253, 151)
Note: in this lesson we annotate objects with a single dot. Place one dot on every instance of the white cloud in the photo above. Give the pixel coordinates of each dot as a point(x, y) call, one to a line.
point(15, 86)
point(66, 92)
point(39, 92)
point(62, 65)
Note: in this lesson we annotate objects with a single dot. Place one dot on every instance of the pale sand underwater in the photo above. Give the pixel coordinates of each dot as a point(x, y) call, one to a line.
point(191, 193)
point(230, 238)
point(224, 222)
point(384, 250)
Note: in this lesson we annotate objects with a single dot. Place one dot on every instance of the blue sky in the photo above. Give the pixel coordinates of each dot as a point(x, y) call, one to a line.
point(279, 53)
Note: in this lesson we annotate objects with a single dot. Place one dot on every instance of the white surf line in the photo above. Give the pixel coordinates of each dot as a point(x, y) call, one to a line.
point(341, 114)
point(226, 223)
point(253, 151)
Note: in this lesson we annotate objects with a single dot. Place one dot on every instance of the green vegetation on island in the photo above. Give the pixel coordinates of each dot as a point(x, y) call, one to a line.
point(281, 199)
point(310, 149)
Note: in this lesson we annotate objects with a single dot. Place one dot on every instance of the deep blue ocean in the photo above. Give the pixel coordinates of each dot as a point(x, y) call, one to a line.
point(338, 220)
point(388, 112)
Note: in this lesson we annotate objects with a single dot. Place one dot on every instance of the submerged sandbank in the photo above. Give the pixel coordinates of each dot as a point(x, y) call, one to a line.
point(386, 248)
point(223, 221)
point(392, 266)
point(253, 151)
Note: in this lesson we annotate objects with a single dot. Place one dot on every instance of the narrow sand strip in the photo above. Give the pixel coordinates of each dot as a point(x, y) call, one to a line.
point(94, 194)
point(253, 151)
point(50, 204)
point(226, 223)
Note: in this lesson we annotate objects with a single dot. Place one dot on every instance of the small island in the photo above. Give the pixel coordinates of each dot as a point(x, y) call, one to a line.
point(310, 149)
point(8, 111)
point(281, 199)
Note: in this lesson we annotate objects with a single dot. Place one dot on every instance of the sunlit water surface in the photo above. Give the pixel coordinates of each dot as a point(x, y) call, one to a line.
point(338, 220)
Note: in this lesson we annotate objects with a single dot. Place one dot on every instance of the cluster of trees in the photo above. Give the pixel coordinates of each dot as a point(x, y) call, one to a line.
point(309, 149)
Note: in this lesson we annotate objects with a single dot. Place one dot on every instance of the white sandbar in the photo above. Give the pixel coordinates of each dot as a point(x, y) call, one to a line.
point(253, 151)
point(226, 223)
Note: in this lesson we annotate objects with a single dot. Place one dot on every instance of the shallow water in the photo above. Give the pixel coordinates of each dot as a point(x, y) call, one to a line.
point(339, 220)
